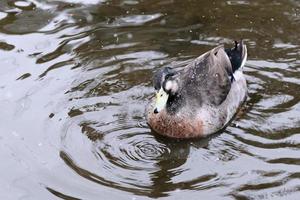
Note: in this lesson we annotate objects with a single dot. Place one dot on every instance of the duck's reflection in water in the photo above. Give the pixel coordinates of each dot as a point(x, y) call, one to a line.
point(171, 165)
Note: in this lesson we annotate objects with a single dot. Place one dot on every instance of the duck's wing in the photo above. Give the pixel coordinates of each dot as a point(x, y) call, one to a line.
point(208, 78)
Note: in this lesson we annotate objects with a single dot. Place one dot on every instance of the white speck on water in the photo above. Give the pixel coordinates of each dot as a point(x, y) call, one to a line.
point(163, 22)
point(129, 36)
point(272, 19)
point(117, 37)
point(22, 3)
point(131, 2)
point(40, 144)
point(90, 2)
point(89, 18)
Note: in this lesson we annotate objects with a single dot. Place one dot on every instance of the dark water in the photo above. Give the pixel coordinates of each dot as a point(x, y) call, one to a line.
point(75, 77)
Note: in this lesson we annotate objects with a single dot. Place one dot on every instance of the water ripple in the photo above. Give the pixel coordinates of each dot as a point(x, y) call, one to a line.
point(76, 77)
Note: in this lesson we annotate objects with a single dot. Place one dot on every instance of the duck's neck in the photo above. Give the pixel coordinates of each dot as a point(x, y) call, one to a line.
point(174, 103)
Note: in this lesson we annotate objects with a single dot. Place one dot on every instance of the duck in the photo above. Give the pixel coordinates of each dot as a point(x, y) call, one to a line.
point(201, 98)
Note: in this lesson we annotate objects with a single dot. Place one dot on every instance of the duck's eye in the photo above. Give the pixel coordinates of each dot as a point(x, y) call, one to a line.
point(168, 76)
point(161, 95)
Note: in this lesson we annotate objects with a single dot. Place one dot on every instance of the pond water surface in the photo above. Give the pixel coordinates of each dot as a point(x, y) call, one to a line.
point(75, 78)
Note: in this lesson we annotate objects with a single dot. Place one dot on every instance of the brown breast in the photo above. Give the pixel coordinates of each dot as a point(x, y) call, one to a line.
point(175, 126)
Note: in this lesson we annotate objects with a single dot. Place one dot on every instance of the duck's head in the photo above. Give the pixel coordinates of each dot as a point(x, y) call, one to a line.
point(165, 84)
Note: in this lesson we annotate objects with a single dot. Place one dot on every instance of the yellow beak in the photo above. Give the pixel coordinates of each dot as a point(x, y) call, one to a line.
point(161, 100)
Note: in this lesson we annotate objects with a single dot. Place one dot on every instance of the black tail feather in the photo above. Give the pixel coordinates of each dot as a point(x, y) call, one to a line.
point(235, 55)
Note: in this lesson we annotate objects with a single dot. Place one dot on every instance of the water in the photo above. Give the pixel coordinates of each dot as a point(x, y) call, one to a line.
point(75, 78)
